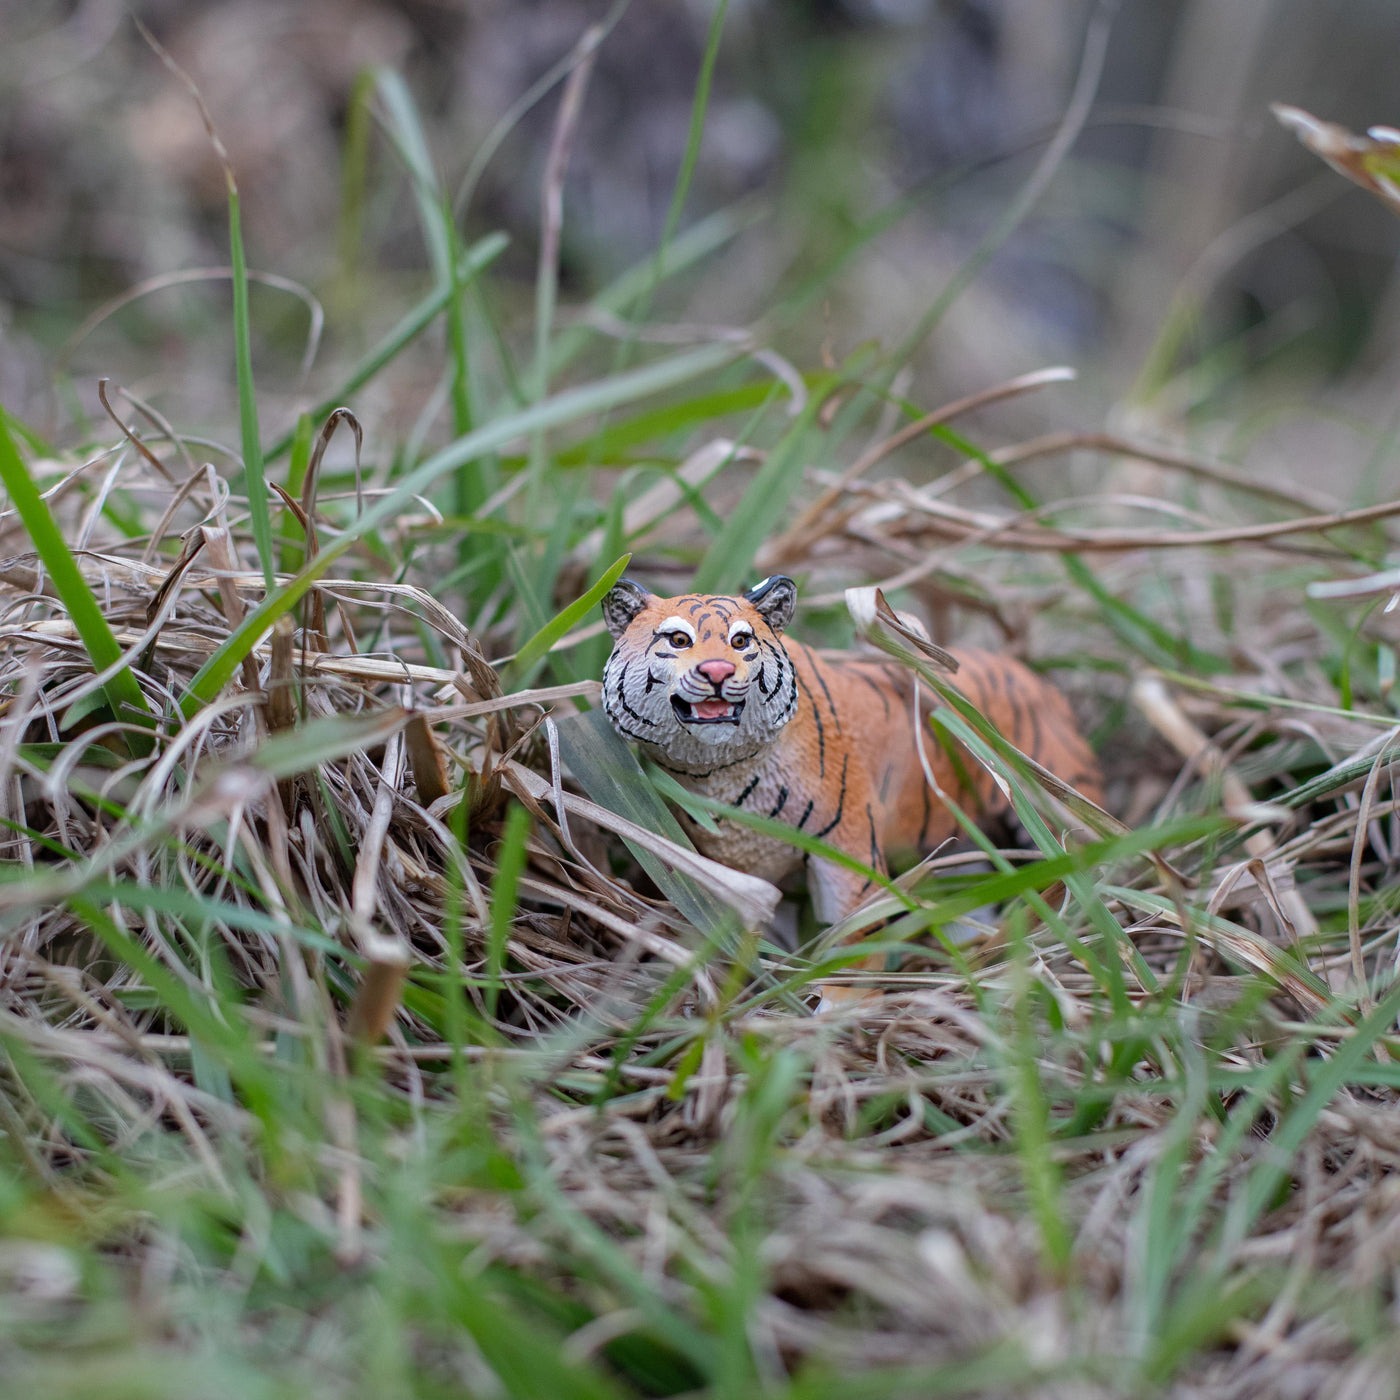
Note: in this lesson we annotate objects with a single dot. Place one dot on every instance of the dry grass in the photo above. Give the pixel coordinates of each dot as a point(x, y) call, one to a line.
point(1143, 1135)
point(368, 1028)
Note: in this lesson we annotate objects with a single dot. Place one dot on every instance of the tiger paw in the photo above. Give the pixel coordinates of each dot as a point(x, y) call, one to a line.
point(834, 998)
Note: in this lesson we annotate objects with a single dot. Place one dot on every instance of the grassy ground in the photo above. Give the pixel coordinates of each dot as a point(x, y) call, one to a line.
point(345, 1049)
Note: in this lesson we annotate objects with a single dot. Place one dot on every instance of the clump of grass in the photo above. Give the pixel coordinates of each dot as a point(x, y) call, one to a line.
point(368, 1027)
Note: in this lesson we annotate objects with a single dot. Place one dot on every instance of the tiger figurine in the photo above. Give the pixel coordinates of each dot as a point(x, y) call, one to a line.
point(709, 688)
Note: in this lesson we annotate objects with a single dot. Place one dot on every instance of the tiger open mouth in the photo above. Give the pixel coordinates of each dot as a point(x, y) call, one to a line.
point(715, 711)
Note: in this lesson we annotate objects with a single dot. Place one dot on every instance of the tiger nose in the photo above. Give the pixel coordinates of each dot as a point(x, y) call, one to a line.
point(716, 671)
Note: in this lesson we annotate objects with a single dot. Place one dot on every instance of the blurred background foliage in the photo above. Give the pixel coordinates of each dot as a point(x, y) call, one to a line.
point(1201, 270)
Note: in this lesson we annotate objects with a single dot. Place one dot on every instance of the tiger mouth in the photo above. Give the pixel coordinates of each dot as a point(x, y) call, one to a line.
point(707, 711)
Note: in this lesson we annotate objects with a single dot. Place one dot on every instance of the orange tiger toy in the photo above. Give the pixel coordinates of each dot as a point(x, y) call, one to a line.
point(822, 740)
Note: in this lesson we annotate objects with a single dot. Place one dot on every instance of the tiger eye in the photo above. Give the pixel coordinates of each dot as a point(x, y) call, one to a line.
point(679, 640)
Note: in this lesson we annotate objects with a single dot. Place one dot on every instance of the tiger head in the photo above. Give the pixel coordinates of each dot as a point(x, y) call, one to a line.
point(702, 680)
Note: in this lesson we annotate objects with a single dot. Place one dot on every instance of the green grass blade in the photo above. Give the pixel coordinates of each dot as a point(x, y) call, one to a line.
point(221, 1026)
point(1146, 636)
point(195, 908)
point(643, 429)
point(123, 694)
point(609, 773)
point(526, 1363)
point(769, 494)
point(504, 888)
point(406, 133)
point(701, 239)
point(31, 437)
point(1327, 1080)
point(1040, 1171)
point(444, 257)
point(564, 407)
point(253, 475)
point(354, 164)
point(565, 621)
point(291, 537)
point(405, 331)
point(699, 106)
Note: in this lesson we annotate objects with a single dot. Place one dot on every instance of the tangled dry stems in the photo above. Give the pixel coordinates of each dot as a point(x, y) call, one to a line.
point(894, 1228)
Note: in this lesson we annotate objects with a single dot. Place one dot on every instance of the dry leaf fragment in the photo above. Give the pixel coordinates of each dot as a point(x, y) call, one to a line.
point(1371, 161)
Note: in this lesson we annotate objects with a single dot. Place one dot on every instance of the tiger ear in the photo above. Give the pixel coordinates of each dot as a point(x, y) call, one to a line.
point(623, 602)
point(775, 599)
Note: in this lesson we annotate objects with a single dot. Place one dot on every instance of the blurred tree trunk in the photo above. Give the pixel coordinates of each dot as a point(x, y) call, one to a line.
point(1196, 183)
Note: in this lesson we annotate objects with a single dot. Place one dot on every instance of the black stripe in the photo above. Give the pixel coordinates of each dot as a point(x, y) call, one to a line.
point(616, 720)
point(898, 677)
point(821, 681)
point(1017, 706)
point(875, 686)
point(979, 681)
point(806, 812)
point(1037, 736)
point(840, 801)
point(821, 733)
point(782, 801)
point(622, 700)
point(928, 809)
point(875, 857)
point(763, 670)
point(876, 862)
point(652, 682)
point(753, 783)
point(686, 773)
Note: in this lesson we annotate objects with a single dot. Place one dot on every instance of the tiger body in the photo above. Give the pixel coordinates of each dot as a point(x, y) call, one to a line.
point(822, 741)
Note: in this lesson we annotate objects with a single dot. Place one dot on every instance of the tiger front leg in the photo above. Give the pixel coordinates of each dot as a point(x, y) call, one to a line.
point(836, 892)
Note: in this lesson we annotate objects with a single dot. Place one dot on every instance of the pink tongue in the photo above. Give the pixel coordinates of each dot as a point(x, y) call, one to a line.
point(713, 709)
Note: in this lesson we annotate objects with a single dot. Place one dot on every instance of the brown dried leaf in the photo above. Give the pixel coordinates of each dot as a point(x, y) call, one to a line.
point(1371, 161)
